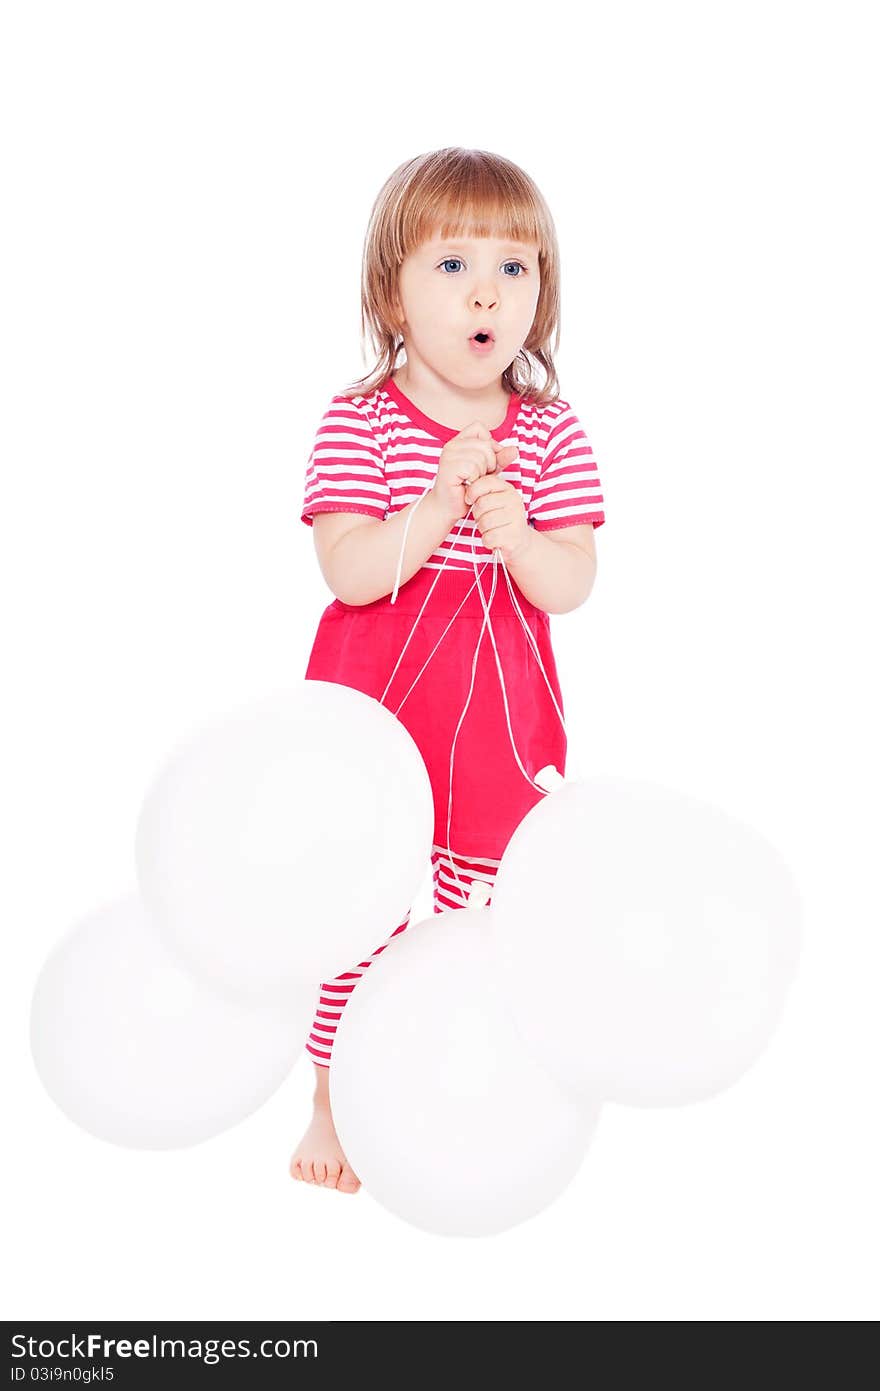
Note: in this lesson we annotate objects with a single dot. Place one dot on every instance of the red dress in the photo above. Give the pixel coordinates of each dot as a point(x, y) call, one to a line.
point(359, 645)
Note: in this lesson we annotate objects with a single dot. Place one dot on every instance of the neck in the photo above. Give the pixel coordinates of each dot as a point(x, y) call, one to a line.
point(450, 404)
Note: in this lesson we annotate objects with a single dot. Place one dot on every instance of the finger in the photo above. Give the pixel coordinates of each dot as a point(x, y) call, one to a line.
point(491, 483)
point(492, 502)
point(476, 430)
point(514, 456)
point(470, 470)
point(477, 460)
point(479, 456)
point(488, 458)
point(491, 520)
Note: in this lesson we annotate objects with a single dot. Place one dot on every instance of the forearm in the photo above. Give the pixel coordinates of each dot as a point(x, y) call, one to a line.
point(363, 564)
point(554, 575)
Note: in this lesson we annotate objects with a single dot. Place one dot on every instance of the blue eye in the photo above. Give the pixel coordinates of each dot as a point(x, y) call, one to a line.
point(456, 261)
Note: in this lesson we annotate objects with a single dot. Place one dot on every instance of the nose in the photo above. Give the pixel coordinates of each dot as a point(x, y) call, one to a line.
point(485, 299)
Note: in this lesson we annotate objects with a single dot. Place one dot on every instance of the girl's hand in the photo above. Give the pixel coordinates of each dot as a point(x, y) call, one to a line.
point(500, 516)
point(468, 456)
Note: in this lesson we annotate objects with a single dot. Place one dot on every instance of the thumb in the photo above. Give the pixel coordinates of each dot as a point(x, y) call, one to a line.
point(505, 454)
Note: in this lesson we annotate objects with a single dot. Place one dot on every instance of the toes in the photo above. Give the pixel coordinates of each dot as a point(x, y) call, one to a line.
point(333, 1172)
point(332, 1175)
point(349, 1181)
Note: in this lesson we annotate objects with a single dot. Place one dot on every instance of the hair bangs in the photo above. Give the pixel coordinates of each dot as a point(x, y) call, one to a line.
point(482, 210)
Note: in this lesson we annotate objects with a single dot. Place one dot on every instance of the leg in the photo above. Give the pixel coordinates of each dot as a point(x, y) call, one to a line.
point(332, 1000)
point(319, 1157)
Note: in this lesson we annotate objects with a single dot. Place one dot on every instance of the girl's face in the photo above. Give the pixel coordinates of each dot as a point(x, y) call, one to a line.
point(450, 288)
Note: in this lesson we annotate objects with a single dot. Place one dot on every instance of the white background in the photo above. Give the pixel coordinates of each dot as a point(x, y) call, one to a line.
point(187, 187)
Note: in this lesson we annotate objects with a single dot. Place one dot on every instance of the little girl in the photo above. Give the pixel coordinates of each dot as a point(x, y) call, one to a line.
point(429, 477)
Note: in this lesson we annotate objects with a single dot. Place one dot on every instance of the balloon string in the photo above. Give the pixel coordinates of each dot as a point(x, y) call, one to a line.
point(496, 558)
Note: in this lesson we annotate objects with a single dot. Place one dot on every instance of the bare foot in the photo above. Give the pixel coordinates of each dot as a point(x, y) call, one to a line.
point(318, 1157)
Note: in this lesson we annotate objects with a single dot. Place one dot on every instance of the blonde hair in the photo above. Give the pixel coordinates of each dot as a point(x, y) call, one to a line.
point(457, 192)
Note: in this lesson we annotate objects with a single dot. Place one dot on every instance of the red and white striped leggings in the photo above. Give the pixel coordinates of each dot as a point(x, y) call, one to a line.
point(335, 994)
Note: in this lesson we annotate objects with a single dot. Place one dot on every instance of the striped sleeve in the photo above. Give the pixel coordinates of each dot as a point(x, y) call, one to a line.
point(345, 470)
point(568, 491)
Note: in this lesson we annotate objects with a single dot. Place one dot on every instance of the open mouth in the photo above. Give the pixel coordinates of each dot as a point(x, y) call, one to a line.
point(483, 341)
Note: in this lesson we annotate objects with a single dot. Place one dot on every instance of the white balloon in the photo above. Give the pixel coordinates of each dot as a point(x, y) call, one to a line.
point(645, 941)
point(280, 845)
point(138, 1052)
point(443, 1115)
